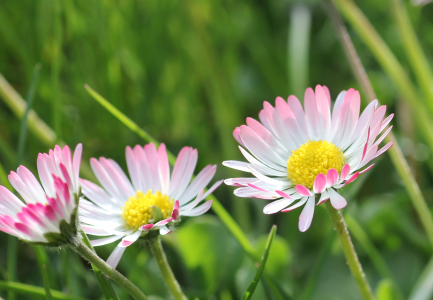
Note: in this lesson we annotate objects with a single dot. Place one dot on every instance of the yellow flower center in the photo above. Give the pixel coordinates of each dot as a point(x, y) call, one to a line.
point(311, 159)
point(137, 210)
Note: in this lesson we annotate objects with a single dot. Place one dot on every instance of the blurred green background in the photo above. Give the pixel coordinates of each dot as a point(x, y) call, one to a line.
point(189, 72)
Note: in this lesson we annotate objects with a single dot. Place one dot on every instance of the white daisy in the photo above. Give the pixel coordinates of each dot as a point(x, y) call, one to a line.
point(48, 214)
point(296, 155)
point(123, 209)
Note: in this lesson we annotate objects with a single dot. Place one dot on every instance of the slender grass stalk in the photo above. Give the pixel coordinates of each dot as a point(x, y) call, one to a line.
point(94, 259)
point(56, 106)
point(252, 287)
point(349, 252)
point(166, 272)
point(43, 263)
point(414, 52)
point(31, 290)
point(12, 262)
point(299, 49)
point(395, 153)
point(104, 283)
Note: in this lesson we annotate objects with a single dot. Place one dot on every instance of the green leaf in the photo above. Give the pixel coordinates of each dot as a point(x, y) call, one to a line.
point(250, 291)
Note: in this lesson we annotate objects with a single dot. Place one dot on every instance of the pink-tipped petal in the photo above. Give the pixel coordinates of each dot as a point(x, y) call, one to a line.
point(319, 184)
point(366, 144)
point(236, 135)
point(352, 178)
point(307, 214)
point(345, 171)
point(257, 188)
point(164, 222)
point(331, 177)
point(282, 194)
point(366, 169)
point(323, 197)
point(147, 227)
point(303, 190)
point(337, 201)
point(115, 256)
point(276, 206)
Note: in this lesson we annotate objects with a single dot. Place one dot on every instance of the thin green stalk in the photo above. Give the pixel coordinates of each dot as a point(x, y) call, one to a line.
point(414, 52)
point(252, 287)
point(395, 153)
point(12, 262)
point(31, 290)
point(43, 263)
point(105, 285)
point(349, 252)
point(56, 108)
point(94, 259)
point(166, 272)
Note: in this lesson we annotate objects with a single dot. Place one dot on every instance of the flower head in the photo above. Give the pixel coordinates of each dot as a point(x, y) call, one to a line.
point(296, 154)
point(47, 215)
point(152, 201)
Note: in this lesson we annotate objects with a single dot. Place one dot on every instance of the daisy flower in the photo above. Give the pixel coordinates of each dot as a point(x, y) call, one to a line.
point(295, 154)
point(152, 201)
point(47, 214)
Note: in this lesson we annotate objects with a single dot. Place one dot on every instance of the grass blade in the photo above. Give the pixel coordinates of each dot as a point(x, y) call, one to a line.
point(298, 49)
point(250, 291)
point(43, 263)
point(26, 289)
point(105, 284)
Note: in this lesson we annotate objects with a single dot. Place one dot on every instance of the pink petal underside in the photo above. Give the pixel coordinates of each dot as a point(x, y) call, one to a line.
point(345, 171)
point(175, 214)
point(331, 177)
point(77, 160)
point(164, 222)
point(327, 93)
point(337, 201)
point(179, 168)
point(303, 190)
point(147, 227)
point(366, 144)
point(236, 135)
point(282, 194)
point(297, 110)
point(323, 107)
point(257, 188)
point(366, 169)
point(289, 119)
point(352, 178)
point(383, 149)
point(378, 116)
point(319, 184)
point(343, 117)
point(386, 122)
point(306, 216)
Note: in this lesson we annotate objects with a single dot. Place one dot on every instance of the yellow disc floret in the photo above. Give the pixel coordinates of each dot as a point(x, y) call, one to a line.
point(137, 210)
point(311, 159)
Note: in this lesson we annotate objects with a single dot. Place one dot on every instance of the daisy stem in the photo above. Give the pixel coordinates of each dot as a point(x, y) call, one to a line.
point(124, 282)
point(349, 252)
point(164, 268)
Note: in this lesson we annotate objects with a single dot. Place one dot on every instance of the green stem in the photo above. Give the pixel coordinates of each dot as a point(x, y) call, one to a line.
point(349, 252)
point(94, 259)
point(166, 272)
point(43, 263)
point(105, 285)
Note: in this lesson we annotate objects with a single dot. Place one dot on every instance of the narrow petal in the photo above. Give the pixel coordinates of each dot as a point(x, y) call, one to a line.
point(331, 177)
point(337, 201)
point(319, 184)
point(276, 206)
point(115, 256)
point(307, 214)
point(303, 190)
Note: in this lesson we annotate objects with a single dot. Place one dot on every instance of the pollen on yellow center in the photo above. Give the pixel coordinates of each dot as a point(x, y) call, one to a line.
point(311, 159)
point(137, 210)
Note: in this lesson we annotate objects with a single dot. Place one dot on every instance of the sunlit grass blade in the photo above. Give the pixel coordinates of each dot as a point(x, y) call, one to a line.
point(298, 49)
point(18, 106)
point(414, 52)
point(30, 290)
point(423, 288)
point(355, 16)
point(105, 285)
point(250, 291)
